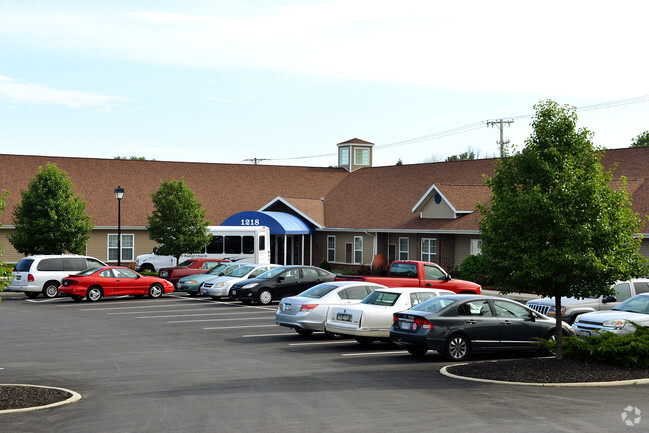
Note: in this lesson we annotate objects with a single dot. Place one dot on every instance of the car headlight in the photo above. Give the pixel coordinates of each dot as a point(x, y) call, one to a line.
point(552, 311)
point(614, 324)
point(221, 285)
point(250, 286)
point(189, 282)
point(578, 318)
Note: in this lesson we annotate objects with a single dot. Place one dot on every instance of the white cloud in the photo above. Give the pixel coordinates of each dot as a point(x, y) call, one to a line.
point(19, 91)
point(576, 48)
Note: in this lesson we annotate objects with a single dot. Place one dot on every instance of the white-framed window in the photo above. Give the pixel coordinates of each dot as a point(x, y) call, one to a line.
point(361, 156)
point(344, 156)
point(358, 249)
point(331, 248)
point(429, 250)
point(404, 248)
point(476, 247)
point(128, 247)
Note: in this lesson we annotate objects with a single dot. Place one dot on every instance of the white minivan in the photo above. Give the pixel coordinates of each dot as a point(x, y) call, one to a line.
point(43, 273)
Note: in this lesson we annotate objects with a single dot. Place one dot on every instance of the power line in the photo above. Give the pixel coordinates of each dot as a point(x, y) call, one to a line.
point(472, 127)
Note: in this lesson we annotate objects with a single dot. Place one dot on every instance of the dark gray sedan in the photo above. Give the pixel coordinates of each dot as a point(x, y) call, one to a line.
point(457, 325)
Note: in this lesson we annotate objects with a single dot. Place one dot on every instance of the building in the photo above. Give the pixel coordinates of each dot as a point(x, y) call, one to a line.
point(349, 215)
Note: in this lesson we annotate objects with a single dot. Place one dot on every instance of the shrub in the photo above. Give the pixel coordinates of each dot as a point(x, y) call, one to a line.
point(364, 270)
point(149, 273)
point(382, 270)
point(473, 268)
point(325, 265)
point(628, 350)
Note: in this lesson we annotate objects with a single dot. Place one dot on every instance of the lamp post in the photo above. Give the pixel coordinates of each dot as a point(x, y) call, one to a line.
point(119, 193)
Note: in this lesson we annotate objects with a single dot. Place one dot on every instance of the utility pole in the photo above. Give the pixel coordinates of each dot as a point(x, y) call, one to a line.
point(501, 126)
point(255, 160)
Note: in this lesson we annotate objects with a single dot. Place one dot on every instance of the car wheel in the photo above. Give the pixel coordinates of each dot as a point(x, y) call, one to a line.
point(457, 348)
point(365, 341)
point(264, 297)
point(76, 298)
point(417, 350)
point(155, 291)
point(51, 289)
point(303, 332)
point(147, 267)
point(94, 294)
point(192, 293)
point(32, 295)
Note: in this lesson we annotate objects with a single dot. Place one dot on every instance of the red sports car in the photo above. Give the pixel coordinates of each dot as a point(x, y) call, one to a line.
point(95, 283)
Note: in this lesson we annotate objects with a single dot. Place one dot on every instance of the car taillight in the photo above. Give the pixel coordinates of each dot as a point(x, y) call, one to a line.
point(395, 320)
point(308, 307)
point(30, 278)
point(421, 323)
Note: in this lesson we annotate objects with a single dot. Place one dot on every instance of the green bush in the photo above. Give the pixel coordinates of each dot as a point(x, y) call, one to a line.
point(325, 265)
point(628, 350)
point(364, 270)
point(473, 268)
point(149, 273)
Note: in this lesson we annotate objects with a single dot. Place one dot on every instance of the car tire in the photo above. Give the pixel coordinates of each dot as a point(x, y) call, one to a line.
point(94, 294)
point(216, 298)
point(457, 348)
point(76, 298)
point(192, 293)
point(303, 332)
point(147, 267)
point(264, 297)
point(417, 350)
point(365, 341)
point(51, 289)
point(32, 295)
point(155, 291)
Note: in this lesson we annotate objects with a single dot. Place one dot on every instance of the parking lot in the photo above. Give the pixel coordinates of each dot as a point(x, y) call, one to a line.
point(180, 364)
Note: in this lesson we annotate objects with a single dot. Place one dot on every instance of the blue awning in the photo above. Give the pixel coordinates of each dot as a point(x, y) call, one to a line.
point(279, 223)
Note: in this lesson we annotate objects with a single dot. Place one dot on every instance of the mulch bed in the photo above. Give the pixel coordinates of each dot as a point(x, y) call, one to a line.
point(20, 397)
point(547, 370)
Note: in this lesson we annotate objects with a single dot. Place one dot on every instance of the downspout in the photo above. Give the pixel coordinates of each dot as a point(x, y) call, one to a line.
point(374, 247)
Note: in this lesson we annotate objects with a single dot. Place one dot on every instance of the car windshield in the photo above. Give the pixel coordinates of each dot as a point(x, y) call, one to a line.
point(434, 305)
point(636, 304)
point(318, 291)
point(272, 273)
point(386, 299)
point(186, 263)
point(88, 271)
point(241, 271)
point(217, 270)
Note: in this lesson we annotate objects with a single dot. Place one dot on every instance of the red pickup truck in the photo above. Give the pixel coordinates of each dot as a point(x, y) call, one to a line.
point(188, 267)
point(411, 273)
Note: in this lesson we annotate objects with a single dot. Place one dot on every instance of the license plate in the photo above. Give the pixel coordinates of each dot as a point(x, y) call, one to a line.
point(17, 277)
point(287, 307)
point(344, 317)
point(234, 292)
point(203, 291)
point(406, 325)
point(586, 333)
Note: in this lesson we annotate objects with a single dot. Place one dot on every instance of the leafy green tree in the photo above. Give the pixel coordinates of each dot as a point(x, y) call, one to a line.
point(642, 140)
point(50, 219)
point(178, 221)
point(462, 156)
point(5, 271)
point(554, 225)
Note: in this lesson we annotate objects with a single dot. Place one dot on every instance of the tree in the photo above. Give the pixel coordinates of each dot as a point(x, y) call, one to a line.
point(4, 269)
point(178, 221)
point(462, 156)
point(50, 219)
point(642, 140)
point(554, 225)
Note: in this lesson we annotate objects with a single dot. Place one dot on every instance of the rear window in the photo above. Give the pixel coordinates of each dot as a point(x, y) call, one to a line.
point(386, 299)
point(50, 265)
point(318, 291)
point(434, 305)
point(403, 270)
point(74, 263)
point(24, 265)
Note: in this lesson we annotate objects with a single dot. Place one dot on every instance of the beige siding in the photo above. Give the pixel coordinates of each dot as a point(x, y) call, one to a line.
point(463, 247)
point(644, 248)
point(342, 239)
point(434, 210)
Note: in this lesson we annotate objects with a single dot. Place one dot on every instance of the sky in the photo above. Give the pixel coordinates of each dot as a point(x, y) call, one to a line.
point(284, 81)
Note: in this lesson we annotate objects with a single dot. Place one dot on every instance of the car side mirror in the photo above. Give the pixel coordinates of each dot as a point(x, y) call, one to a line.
point(533, 317)
point(608, 299)
point(447, 278)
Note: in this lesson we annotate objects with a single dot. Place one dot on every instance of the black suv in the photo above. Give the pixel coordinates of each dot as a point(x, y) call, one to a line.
point(279, 283)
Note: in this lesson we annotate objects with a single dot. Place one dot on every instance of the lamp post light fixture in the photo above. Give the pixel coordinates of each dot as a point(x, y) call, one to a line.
point(119, 193)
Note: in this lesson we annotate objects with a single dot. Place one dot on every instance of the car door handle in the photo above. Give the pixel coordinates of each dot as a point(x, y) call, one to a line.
point(471, 322)
point(507, 323)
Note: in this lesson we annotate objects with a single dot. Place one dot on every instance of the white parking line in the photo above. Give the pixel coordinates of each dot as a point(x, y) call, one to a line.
point(392, 352)
point(264, 335)
point(241, 327)
point(316, 343)
point(195, 315)
point(218, 320)
point(169, 311)
point(108, 307)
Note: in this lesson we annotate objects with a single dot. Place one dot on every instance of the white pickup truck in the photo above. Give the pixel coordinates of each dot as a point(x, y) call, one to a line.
point(153, 262)
point(572, 307)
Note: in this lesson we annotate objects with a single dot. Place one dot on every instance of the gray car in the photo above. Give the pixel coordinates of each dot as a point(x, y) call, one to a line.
point(573, 307)
point(307, 312)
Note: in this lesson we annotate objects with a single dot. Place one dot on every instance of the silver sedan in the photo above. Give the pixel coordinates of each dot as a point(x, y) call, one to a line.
point(307, 312)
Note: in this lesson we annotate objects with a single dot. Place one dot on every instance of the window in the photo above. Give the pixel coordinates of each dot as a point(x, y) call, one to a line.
point(361, 156)
point(358, 249)
point(127, 247)
point(476, 308)
point(331, 248)
point(429, 250)
point(476, 247)
point(404, 248)
point(418, 298)
point(233, 244)
point(248, 244)
point(641, 287)
point(358, 292)
point(622, 292)
point(434, 273)
point(215, 246)
point(509, 309)
point(310, 274)
point(344, 156)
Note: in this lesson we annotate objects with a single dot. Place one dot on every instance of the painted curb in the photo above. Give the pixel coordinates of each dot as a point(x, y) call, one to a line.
point(445, 372)
point(74, 397)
